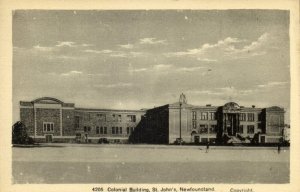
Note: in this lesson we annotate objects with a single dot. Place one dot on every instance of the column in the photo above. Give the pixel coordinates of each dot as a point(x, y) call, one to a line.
point(60, 110)
point(35, 127)
point(224, 124)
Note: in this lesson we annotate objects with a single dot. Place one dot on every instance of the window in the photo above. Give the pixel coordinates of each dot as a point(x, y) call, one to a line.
point(250, 116)
point(212, 116)
point(203, 129)
point(101, 117)
point(250, 129)
point(194, 124)
point(213, 129)
point(117, 130)
point(48, 127)
point(113, 131)
point(204, 115)
point(87, 116)
point(101, 130)
point(86, 128)
point(114, 117)
point(120, 129)
point(260, 117)
point(131, 118)
point(76, 122)
point(240, 129)
point(119, 118)
point(243, 117)
point(194, 115)
point(129, 130)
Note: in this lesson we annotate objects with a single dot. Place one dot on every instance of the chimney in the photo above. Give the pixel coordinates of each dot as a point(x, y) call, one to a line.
point(253, 106)
point(208, 105)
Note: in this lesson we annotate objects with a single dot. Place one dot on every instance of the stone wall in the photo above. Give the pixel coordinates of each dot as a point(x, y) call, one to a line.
point(47, 115)
point(27, 117)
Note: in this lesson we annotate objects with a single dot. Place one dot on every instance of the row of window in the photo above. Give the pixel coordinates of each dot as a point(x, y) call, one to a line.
point(208, 129)
point(114, 117)
point(114, 130)
point(250, 117)
point(213, 129)
point(250, 129)
point(212, 116)
point(204, 115)
point(48, 127)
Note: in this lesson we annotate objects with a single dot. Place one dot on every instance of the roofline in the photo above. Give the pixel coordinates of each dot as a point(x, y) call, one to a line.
point(100, 110)
point(47, 98)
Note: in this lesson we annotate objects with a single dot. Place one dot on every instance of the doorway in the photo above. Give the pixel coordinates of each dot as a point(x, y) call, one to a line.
point(48, 138)
point(196, 139)
point(232, 124)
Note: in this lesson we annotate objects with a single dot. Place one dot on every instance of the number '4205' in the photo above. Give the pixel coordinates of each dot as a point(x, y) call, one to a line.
point(97, 189)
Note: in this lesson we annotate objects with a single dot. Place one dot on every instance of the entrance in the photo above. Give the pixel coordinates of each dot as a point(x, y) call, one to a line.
point(196, 139)
point(232, 124)
point(48, 138)
point(262, 139)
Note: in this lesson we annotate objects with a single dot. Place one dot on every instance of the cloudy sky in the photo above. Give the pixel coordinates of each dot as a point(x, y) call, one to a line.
point(142, 59)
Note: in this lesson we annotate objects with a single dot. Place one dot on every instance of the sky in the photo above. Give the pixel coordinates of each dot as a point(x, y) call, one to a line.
point(144, 58)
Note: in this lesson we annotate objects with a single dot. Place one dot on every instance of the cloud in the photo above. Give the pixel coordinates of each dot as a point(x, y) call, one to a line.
point(127, 46)
point(41, 48)
point(87, 45)
point(167, 68)
point(138, 70)
point(190, 69)
point(71, 73)
point(226, 49)
point(273, 84)
point(152, 41)
point(223, 92)
point(105, 51)
point(160, 67)
point(116, 85)
point(66, 44)
point(119, 54)
point(58, 47)
point(112, 53)
point(136, 54)
point(96, 74)
point(207, 60)
point(64, 57)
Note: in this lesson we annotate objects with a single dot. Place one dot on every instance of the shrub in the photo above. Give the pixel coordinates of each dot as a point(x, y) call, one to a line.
point(19, 134)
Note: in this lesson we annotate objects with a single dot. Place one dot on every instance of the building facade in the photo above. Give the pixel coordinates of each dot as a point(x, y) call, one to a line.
point(229, 123)
point(51, 120)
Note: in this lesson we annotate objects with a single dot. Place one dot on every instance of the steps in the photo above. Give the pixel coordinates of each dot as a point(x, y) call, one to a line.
point(237, 140)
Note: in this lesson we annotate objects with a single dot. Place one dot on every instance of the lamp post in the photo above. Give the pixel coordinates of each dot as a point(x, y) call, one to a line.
point(182, 100)
point(180, 122)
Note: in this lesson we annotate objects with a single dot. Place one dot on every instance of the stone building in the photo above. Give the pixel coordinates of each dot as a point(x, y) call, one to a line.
point(51, 120)
point(229, 123)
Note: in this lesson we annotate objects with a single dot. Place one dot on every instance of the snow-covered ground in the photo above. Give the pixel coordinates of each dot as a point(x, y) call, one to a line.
point(149, 164)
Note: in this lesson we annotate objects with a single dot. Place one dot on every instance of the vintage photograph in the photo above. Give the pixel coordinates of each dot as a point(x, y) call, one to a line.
point(151, 96)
